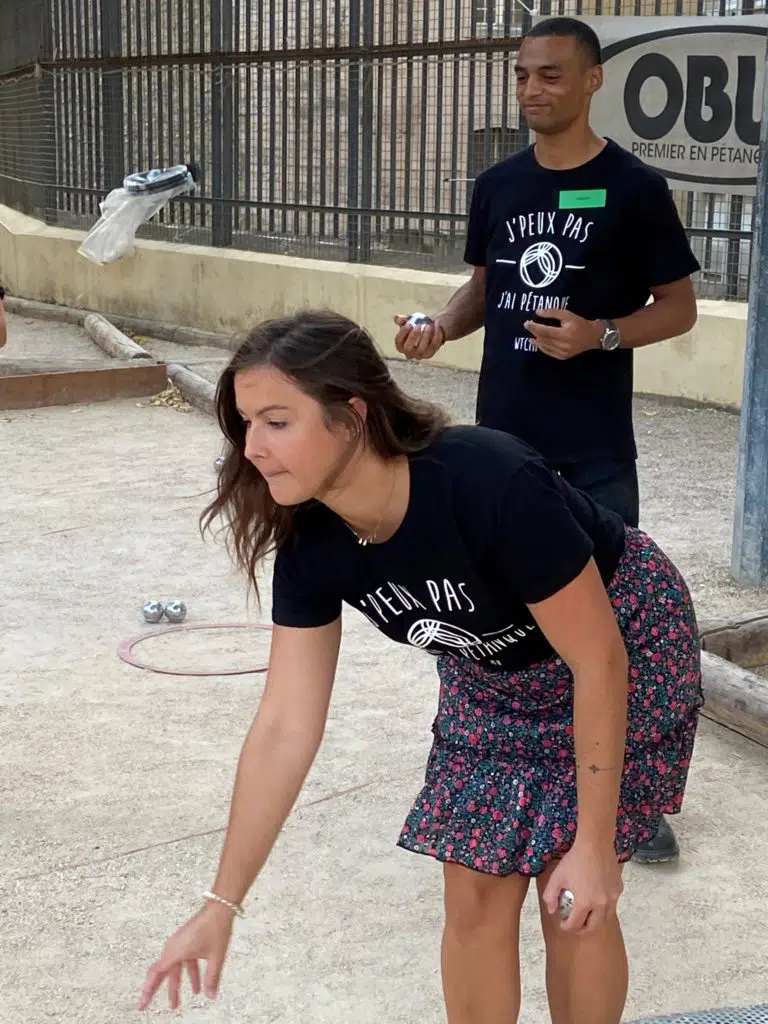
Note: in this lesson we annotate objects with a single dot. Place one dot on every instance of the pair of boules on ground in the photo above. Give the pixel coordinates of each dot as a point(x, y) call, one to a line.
point(154, 611)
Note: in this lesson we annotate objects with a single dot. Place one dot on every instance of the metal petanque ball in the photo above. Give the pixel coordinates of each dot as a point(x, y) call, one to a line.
point(153, 611)
point(565, 904)
point(175, 611)
point(419, 320)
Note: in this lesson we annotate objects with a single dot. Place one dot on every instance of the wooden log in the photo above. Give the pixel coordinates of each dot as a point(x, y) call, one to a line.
point(735, 697)
point(731, 621)
point(107, 337)
point(743, 640)
point(196, 389)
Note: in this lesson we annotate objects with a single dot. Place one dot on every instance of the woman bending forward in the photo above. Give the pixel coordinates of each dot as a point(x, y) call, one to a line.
point(566, 648)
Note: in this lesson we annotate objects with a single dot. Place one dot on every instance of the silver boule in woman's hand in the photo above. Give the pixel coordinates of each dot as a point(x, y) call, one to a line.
point(565, 904)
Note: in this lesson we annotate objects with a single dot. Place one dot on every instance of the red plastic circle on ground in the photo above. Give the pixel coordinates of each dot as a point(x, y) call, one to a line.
point(126, 650)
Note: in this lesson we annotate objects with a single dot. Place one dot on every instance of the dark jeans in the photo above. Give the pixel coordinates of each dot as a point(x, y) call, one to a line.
point(611, 482)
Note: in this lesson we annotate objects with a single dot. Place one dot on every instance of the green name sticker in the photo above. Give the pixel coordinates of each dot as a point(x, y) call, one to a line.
point(582, 199)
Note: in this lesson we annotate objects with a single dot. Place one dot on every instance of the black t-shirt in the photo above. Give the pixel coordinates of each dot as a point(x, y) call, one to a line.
point(594, 240)
point(489, 528)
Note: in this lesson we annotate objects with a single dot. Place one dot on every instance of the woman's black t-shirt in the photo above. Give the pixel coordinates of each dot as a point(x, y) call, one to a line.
point(489, 529)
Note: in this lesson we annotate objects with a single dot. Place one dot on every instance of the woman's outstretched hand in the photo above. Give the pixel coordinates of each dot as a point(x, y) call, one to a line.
point(205, 936)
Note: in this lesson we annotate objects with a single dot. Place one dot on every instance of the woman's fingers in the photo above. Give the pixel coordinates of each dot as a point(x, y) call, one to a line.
point(551, 896)
point(155, 976)
point(174, 986)
point(193, 970)
point(161, 971)
point(204, 937)
point(596, 920)
point(578, 917)
point(589, 917)
point(213, 975)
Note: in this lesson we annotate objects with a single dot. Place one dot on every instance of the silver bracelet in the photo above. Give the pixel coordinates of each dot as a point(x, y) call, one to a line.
point(236, 908)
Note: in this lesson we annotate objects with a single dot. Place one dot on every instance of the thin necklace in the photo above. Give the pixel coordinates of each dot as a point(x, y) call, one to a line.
point(362, 539)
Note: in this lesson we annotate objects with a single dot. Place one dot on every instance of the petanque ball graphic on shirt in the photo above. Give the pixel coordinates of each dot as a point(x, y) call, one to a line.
point(540, 264)
point(429, 631)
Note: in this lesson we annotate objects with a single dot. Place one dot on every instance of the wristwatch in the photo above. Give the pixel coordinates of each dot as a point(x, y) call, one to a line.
point(611, 337)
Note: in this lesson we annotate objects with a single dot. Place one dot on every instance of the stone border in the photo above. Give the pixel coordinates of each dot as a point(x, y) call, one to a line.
point(230, 343)
point(150, 328)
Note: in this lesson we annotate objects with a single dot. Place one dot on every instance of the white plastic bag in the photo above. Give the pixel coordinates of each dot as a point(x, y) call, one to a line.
point(122, 214)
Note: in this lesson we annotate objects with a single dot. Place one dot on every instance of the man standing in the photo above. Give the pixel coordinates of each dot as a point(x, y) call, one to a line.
point(569, 240)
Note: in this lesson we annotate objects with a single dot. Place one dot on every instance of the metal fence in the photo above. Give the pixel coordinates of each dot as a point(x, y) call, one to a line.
point(334, 129)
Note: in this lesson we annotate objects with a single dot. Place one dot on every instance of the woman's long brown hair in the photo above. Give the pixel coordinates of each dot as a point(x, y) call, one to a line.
point(333, 360)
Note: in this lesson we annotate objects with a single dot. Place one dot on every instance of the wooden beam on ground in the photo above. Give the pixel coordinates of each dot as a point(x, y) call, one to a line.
point(80, 385)
point(743, 640)
point(735, 697)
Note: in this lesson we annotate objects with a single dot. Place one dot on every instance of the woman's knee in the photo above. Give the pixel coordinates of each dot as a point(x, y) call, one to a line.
point(476, 903)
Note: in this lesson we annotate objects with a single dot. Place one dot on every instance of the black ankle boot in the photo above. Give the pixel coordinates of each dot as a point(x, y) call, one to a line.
point(660, 848)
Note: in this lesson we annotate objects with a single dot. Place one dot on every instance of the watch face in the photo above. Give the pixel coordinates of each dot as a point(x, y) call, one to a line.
point(611, 339)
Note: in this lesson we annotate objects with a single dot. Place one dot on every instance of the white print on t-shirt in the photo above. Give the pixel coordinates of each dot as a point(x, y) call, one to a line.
point(534, 225)
point(426, 632)
point(530, 302)
point(541, 263)
point(392, 600)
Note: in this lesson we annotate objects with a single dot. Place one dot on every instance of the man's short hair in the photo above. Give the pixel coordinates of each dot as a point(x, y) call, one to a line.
point(572, 28)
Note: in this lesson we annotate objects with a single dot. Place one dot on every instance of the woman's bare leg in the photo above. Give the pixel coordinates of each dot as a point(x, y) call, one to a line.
point(480, 956)
point(587, 975)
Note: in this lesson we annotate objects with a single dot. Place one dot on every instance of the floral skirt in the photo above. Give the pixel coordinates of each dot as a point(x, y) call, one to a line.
point(500, 788)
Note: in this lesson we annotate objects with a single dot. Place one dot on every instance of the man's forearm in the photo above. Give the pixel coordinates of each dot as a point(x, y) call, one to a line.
point(600, 729)
point(464, 313)
point(269, 778)
point(660, 320)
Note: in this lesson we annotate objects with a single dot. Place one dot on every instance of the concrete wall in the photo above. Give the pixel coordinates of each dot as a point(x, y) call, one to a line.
point(224, 290)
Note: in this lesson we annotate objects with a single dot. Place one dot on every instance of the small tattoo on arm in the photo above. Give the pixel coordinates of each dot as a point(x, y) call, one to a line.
point(594, 768)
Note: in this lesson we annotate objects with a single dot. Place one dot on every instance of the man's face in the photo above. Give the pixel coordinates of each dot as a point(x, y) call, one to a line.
point(555, 83)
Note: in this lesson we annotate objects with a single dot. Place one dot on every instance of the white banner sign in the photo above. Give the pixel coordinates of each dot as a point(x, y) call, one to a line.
point(685, 95)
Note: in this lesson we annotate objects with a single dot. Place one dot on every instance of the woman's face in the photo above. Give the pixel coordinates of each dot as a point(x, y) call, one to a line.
point(287, 438)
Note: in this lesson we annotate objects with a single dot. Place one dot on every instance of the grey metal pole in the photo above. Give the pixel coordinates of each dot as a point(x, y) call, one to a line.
point(749, 559)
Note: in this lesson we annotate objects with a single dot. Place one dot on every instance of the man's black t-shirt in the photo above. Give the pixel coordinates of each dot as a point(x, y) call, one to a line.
point(489, 529)
point(594, 239)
